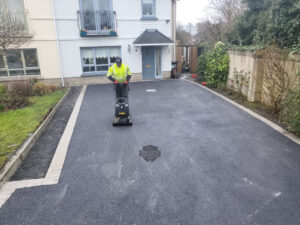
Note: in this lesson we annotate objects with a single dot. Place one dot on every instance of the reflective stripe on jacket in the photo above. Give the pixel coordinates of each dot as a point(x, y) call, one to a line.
point(119, 73)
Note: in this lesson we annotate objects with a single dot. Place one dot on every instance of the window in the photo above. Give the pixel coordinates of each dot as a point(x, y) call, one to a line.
point(98, 60)
point(16, 13)
point(16, 62)
point(96, 16)
point(148, 8)
point(12, 5)
point(103, 5)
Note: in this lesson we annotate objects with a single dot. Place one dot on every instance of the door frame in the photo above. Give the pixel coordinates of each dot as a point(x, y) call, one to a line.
point(155, 63)
point(160, 76)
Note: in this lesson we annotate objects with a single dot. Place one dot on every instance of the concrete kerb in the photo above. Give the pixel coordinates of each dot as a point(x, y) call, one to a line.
point(289, 135)
point(18, 157)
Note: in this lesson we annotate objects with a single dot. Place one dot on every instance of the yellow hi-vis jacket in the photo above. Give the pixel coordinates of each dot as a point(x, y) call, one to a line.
point(119, 73)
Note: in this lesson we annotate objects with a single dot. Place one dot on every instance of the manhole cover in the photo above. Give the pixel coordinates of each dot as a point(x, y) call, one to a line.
point(150, 153)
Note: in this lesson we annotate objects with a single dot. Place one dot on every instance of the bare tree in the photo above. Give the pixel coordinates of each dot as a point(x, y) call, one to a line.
point(184, 37)
point(209, 32)
point(220, 20)
point(227, 10)
point(13, 29)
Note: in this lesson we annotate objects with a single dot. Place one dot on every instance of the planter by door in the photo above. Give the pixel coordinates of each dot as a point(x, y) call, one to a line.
point(151, 57)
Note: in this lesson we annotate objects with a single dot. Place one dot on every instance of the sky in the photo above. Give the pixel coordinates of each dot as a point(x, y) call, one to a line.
point(191, 11)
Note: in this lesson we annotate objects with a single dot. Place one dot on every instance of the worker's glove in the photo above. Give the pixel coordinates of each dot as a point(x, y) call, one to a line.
point(126, 82)
point(116, 82)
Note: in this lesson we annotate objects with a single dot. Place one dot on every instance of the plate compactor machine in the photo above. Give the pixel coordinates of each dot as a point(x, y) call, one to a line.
point(122, 116)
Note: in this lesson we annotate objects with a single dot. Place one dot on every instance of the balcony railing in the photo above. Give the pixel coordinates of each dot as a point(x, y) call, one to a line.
point(96, 22)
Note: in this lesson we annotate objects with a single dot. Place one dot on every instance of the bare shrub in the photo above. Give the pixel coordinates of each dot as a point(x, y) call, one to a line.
point(42, 89)
point(290, 114)
point(53, 88)
point(22, 87)
point(15, 101)
point(276, 82)
point(3, 90)
point(241, 80)
point(16, 94)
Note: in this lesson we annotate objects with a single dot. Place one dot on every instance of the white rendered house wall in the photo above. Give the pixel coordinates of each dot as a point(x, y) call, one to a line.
point(129, 27)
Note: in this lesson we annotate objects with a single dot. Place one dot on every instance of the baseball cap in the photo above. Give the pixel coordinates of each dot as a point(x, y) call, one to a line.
point(118, 61)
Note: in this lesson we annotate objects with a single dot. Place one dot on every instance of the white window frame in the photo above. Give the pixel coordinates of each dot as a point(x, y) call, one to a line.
point(96, 73)
point(158, 76)
point(147, 17)
point(24, 68)
point(97, 7)
point(6, 5)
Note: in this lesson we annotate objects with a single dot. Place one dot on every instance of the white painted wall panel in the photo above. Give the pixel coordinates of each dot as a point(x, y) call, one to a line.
point(166, 58)
point(128, 9)
point(164, 9)
point(66, 8)
point(70, 58)
point(68, 29)
point(129, 27)
point(41, 24)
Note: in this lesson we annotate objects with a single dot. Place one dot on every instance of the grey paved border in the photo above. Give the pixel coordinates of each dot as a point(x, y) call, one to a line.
point(17, 158)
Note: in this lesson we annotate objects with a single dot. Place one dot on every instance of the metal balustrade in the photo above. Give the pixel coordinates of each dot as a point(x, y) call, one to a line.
point(96, 22)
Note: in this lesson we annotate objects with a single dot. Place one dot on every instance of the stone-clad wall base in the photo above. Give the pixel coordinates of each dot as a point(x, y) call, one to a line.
point(79, 81)
point(166, 74)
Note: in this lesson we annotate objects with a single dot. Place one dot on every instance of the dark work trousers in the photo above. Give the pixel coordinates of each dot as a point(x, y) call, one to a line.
point(121, 90)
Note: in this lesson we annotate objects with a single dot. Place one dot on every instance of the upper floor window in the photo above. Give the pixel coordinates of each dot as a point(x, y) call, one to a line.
point(13, 13)
point(12, 5)
point(97, 17)
point(148, 8)
point(93, 5)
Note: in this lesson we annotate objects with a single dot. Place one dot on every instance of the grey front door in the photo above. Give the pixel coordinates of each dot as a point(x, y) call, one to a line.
point(148, 57)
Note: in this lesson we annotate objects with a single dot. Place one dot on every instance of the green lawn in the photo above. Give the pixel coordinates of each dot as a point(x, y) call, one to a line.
point(17, 125)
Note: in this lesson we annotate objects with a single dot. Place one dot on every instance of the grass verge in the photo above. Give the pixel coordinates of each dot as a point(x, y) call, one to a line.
point(17, 125)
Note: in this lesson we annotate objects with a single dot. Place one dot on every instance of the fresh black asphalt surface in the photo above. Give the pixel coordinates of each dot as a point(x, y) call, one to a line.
point(218, 166)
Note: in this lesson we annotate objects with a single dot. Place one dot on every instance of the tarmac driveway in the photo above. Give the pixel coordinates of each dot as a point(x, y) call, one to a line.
point(218, 165)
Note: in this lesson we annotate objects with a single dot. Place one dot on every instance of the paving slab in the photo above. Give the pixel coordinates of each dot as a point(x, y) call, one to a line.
point(217, 165)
